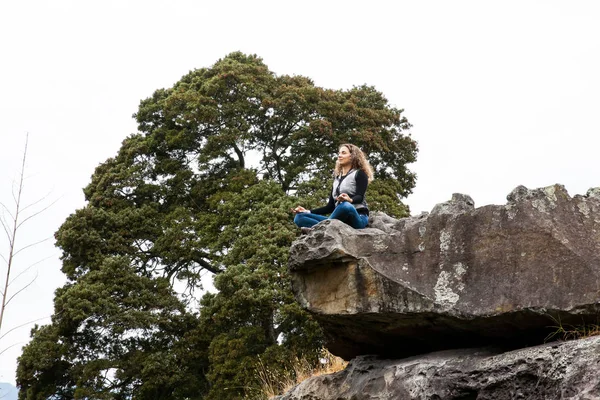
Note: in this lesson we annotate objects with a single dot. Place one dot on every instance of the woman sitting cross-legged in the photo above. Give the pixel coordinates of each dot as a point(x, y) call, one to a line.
point(347, 200)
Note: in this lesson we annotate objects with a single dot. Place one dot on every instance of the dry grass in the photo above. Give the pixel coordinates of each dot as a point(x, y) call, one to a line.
point(575, 332)
point(299, 370)
point(571, 332)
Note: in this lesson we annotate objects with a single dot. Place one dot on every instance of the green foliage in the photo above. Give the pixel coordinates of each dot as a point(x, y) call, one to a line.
point(110, 330)
point(254, 312)
point(206, 185)
point(383, 196)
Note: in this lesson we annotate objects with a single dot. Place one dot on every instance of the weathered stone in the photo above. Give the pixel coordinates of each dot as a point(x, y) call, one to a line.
point(566, 370)
point(457, 277)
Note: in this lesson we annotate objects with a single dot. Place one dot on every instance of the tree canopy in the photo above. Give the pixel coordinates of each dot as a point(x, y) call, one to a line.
point(205, 186)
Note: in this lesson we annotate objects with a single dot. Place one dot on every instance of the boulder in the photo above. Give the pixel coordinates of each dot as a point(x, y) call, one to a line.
point(507, 275)
point(566, 370)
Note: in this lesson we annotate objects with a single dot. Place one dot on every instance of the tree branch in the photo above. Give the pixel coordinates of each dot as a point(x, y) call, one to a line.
point(240, 155)
point(28, 268)
point(20, 290)
point(207, 266)
point(7, 210)
point(5, 227)
point(31, 245)
point(20, 326)
point(37, 213)
point(35, 202)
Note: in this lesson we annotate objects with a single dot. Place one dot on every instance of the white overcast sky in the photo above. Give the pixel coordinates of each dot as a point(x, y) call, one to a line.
point(500, 93)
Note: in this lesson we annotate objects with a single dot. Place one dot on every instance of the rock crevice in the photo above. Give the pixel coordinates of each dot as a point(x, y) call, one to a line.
point(567, 370)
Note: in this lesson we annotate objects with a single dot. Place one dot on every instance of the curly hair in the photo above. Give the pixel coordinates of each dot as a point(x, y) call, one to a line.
point(359, 161)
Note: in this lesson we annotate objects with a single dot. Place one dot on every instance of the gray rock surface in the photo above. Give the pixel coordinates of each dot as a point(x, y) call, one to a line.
point(565, 370)
point(458, 277)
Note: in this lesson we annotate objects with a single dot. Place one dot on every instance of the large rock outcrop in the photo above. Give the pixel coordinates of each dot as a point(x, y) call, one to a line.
point(461, 276)
point(567, 370)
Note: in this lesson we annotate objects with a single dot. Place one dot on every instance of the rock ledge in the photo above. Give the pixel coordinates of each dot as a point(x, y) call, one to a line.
point(461, 276)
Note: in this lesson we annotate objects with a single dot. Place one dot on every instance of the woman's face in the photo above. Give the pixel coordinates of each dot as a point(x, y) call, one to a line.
point(344, 156)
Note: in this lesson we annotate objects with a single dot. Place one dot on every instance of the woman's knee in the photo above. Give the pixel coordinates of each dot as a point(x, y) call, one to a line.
point(346, 207)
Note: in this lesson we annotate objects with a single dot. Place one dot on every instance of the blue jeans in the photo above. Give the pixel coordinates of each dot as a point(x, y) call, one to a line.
point(344, 212)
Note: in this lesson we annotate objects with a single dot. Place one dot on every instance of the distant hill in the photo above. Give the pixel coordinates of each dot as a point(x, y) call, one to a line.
point(8, 391)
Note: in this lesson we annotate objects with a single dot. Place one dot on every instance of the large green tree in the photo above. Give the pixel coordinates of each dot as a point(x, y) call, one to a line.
point(205, 187)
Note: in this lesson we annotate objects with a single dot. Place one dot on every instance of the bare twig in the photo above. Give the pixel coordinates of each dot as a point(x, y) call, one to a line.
point(37, 213)
point(20, 290)
point(20, 326)
point(28, 268)
point(9, 347)
point(12, 221)
point(13, 234)
point(7, 210)
point(31, 245)
point(5, 226)
point(38, 201)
